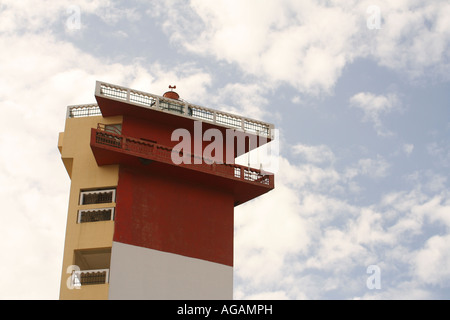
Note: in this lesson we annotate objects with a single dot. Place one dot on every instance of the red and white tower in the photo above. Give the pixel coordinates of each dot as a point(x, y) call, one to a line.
point(174, 199)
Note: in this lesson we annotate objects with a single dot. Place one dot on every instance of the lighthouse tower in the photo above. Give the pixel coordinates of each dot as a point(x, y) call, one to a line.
point(154, 184)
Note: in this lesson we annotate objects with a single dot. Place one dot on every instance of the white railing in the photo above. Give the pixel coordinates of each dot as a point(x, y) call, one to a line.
point(184, 108)
point(83, 110)
point(88, 277)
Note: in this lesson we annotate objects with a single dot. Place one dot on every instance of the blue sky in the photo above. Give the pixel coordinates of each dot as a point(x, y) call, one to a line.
point(362, 111)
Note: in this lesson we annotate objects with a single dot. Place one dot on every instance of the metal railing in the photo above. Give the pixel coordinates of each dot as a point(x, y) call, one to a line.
point(172, 106)
point(184, 108)
point(97, 196)
point(154, 151)
point(83, 110)
point(88, 277)
point(95, 215)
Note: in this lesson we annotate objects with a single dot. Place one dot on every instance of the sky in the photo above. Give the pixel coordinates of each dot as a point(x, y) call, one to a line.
point(359, 92)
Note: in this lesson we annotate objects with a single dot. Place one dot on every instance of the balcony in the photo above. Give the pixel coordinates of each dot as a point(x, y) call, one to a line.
point(91, 266)
point(180, 108)
point(126, 97)
point(245, 182)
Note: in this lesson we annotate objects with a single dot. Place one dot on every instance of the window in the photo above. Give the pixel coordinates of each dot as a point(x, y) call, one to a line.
point(94, 215)
point(114, 128)
point(97, 196)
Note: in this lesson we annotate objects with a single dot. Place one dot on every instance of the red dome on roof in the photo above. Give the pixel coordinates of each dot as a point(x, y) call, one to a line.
point(171, 94)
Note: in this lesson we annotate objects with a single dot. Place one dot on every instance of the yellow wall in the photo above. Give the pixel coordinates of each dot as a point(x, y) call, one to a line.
point(76, 154)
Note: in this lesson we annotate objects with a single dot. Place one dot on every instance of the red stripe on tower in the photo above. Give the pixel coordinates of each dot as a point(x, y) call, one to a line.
point(167, 214)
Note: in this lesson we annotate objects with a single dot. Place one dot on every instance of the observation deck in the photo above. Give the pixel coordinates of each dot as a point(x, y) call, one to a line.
point(117, 147)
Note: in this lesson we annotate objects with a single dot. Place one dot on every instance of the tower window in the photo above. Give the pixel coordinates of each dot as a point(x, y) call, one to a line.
point(103, 214)
point(98, 196)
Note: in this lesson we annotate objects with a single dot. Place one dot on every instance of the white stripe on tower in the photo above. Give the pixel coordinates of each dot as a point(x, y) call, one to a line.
point(142, 273)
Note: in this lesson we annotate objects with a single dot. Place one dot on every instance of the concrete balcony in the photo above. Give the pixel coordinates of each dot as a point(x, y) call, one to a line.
point(179, 108)
point(245, 182)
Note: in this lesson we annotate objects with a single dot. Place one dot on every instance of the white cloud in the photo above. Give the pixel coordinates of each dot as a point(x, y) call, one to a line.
point(298, 219)
point(440, 151)
point(408, 148)
point(338, 240)
point(307, 175)
point(276, 295)
point(404, 291)
point(27, 16)
point(337, 250)
point(415, 38)
point(373, 106)
point(376, 168)
point(245, 99)
point(314, 154)
point(303, 44)
point(307, 44)
point(432, 263)
point(268, 234)
point(436, 209)
point(436, 182)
